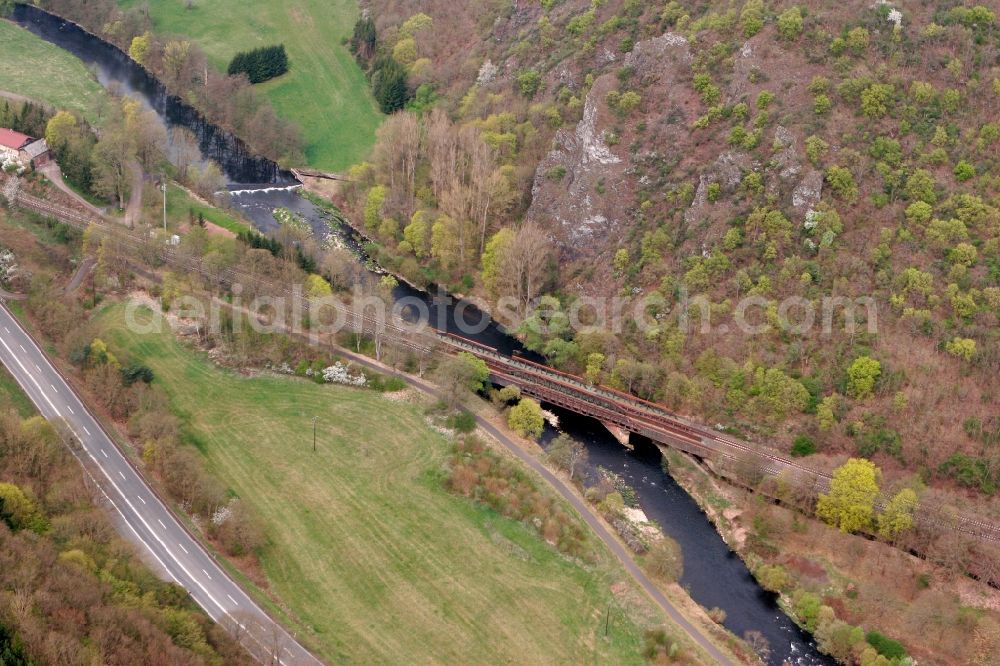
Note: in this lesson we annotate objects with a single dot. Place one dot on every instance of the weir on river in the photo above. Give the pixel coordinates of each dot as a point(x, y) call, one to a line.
point(713, 575)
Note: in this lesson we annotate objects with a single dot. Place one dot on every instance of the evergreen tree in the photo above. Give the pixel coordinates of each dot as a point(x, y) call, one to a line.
point(389, 85)
point(260, 64)
point(365, 39)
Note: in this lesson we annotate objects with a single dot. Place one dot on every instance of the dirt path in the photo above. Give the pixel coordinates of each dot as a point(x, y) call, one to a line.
point(579, 504)
point(133, 211)
point(14, 97)
point(82, 271)
point(8, 296)
point(54, 174)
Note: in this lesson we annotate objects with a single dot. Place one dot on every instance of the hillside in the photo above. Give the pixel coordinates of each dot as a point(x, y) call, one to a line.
point(672, 151)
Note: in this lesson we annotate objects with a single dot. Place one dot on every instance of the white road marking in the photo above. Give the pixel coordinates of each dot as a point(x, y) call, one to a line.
point(161, 523)
point(105, 453)
point(54, 388)
point(22, 347)
point(206, 573)
point(183, 548)
point(7, 330)
point(140, 499)
point(121, 473)
point(37, 368)
point(137, 514)
point(233, 600)
point(70, 409)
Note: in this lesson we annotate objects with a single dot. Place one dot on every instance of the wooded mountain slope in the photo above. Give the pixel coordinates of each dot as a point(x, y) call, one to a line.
point(723, 150)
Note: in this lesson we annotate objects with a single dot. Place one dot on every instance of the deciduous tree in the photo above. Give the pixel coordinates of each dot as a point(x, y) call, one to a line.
point(526, 418)
point(850, 504)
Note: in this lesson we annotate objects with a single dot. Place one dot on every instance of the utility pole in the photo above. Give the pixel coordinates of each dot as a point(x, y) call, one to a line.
point(315, 418)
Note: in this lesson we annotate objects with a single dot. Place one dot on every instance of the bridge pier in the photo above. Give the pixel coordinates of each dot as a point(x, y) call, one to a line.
point(620, 434)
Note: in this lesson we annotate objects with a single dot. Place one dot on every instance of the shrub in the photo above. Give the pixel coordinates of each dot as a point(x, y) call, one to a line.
point(970, 472)
point(710, 93)
point(922, 93)
point(964, 171)
point(135, 373)
point(964, 348)
point(919, 212)
point(752, 17)
point(790, 23)
point(842, 182)
point(920, 187)
point(462, 422)
point(875, 100)
point(528, 83)
point(885, 646)
point(629, 101)
point(950, 100)
point(260, 64)
point(821, 104)
point(555, 173)
point(857, 40)
point(753, 183)
point(861, 376)
point(773, 577)
point(581, 23)
point(816, 149)
point(803, 446)
point(714, 192)
point(526, 419)
point(665, 560)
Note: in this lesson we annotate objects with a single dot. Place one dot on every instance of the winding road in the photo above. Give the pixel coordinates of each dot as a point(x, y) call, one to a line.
point(145, 518)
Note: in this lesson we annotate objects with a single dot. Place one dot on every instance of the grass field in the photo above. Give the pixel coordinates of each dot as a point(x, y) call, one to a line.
point(368, 550)
point(11, 395)
point(180, 204)
point(324, 92)
point(32, 67)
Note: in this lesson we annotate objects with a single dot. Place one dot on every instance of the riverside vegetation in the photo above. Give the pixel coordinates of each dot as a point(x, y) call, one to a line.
point(766, 149)
point(232, 475)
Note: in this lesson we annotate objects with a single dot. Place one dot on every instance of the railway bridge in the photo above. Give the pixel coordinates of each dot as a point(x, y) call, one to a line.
point(619, 411)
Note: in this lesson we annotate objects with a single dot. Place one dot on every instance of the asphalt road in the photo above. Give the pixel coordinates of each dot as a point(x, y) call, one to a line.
point(144, 519)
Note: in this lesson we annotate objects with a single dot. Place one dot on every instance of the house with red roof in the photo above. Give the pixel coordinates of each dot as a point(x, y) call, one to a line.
point(23, 149)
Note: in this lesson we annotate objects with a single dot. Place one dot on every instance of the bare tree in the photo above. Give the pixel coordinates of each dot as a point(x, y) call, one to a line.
point(112, 155)
point(523, 262)
point(396, 155)
point(759, 644)
point(442, 151)
point(149, 137)
point(184, 149)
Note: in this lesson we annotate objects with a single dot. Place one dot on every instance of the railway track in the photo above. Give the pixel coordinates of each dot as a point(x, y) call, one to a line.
point(570, 391)
point(658, 424)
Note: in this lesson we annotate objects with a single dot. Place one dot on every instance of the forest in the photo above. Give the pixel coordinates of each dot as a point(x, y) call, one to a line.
point(73, 591)
point(552, 168)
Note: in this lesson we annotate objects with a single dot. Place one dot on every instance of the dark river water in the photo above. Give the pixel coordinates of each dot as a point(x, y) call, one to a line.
point(713, 575)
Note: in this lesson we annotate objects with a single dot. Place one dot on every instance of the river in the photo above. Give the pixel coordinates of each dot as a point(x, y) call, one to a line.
point(713, 575)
